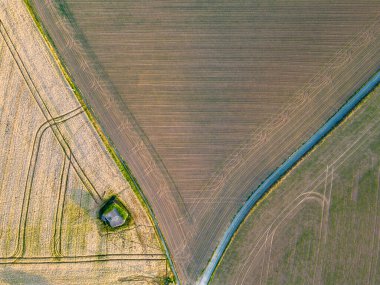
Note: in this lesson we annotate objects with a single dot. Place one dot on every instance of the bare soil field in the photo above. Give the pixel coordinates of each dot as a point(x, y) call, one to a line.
point(55, 173)
point(321, 224)
point(204, 99)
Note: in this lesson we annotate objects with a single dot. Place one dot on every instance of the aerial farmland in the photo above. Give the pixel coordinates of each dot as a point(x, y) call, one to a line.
point(134, 132)
point(203, 100)
point(323, 226)
point(56, 173)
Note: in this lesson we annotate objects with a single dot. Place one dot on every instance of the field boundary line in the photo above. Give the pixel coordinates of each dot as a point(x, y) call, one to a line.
point(137, 135)
point(318, 137)
point(83, 259)
point(124, 169)
point(317, 181)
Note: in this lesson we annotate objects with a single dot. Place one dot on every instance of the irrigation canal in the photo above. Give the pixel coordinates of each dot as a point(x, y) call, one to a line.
point(280, 171)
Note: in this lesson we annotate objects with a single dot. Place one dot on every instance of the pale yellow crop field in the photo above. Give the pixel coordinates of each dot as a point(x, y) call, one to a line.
point(55, 173)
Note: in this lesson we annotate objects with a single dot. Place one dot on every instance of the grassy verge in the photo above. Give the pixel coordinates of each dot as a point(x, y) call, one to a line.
point(124, 169)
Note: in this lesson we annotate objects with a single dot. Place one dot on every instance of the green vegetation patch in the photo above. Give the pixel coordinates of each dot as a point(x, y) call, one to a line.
point(114, 213)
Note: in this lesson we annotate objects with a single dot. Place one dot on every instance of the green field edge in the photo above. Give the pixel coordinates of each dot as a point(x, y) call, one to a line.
point(294, 167)
point(123, 167)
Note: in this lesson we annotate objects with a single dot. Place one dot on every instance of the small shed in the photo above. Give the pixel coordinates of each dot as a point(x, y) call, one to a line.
point(114, 213)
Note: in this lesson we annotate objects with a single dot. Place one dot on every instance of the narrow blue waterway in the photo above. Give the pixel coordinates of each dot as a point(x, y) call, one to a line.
point(279, 172)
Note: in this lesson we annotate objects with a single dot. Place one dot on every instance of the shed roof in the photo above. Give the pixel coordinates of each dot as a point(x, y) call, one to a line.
point(113, 218)
point(114, 213)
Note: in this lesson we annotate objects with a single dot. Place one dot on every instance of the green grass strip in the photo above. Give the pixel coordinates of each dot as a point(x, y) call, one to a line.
point(124, 169)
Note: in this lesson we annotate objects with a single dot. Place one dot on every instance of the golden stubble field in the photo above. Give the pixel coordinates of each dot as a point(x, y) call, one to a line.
point(55, 174)
point(204, 99)
point(321, 224)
